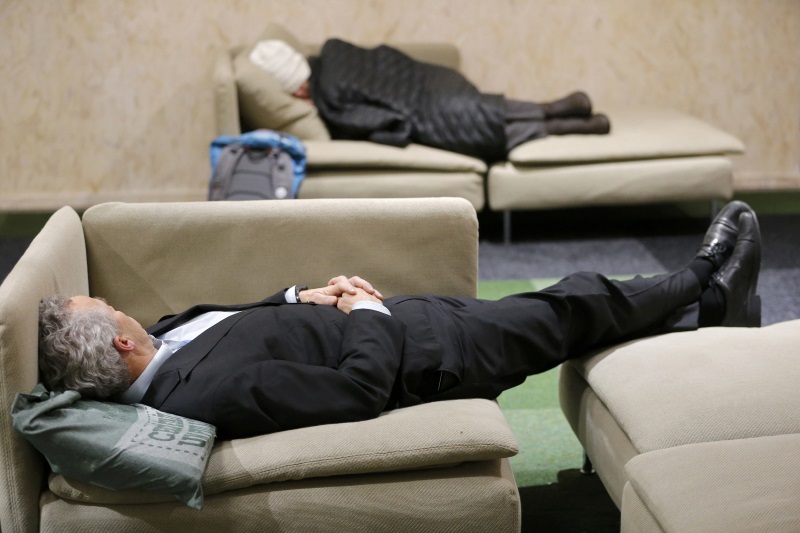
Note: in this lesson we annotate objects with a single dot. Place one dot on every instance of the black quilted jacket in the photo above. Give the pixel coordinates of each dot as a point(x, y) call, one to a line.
point(382, 95)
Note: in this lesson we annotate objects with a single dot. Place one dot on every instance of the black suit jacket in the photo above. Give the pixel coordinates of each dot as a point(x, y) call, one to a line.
point(276, 366)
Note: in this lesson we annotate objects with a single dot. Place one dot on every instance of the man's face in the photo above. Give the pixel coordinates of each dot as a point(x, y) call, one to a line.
point(303, 92)
point(127, 325)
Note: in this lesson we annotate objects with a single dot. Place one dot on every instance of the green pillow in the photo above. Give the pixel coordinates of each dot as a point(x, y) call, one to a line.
point(116, 446)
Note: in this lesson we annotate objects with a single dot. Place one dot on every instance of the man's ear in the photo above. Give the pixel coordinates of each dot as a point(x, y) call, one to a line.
point(124, 344)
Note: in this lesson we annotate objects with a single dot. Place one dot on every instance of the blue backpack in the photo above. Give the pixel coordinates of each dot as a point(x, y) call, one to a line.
point(258, 165)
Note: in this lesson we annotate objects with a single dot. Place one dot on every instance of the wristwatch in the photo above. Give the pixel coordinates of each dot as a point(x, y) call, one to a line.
point(297, 289)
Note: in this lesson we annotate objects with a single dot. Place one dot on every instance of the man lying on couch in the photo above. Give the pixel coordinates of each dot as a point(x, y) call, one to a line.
point(382, 95)
point(341, 353)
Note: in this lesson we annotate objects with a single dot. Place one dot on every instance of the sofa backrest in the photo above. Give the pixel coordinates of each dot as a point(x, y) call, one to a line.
point(150, 260)
point(55, 262)
point(444, 54)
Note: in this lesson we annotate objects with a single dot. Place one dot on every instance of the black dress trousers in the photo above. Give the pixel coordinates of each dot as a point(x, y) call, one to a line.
point(502, 342)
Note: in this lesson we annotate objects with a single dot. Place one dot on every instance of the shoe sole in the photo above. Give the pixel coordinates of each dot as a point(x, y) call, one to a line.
point(753, 317)
point(750, 313)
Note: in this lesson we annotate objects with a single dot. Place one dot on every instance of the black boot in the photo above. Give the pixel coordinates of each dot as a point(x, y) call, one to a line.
point(597, 125)
point(576, 104)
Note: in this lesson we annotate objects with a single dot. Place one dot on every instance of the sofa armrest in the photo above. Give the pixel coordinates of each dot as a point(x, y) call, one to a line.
point(444, 54)
point(55, 262)
point(351, 155)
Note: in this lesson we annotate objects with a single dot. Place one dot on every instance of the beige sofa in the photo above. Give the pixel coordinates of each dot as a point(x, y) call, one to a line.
point(651, 156)
point(437, 467)
point(696, 431)
point(247, 98)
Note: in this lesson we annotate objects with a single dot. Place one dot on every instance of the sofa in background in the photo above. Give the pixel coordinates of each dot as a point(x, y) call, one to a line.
point(435, 467)
point(696, 431)
point(248, 98)
point(650, 156)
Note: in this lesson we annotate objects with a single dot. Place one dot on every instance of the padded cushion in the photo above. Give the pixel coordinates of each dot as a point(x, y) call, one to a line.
point(424, 436)
point(597, 430)
point(719, 487)
point(475, 497)
point(363, 154)
point(637, 518)
point(384, 183)
point(116, 446)
point(635, 134)
point(263, 104)
point(609, 183)
point(708, 385)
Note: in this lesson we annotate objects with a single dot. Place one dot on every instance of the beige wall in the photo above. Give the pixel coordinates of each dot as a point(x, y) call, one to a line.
point(111, 99)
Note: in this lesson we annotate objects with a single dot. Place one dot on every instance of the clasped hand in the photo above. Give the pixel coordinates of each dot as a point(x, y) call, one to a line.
point(342, 292)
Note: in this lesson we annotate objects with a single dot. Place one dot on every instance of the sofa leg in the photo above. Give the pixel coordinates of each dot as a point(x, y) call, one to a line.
point(587, 468)
point(507, 227)
point(714, 208)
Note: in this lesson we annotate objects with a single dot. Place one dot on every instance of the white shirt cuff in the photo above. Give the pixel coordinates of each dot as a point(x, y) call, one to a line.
point(289, 295)
point(372, 306)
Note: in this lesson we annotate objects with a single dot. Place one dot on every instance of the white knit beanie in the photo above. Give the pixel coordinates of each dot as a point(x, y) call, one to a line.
point(289, 68)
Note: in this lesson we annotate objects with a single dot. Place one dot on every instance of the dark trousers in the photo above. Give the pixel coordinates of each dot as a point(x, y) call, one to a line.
point(525, 121)
point(504, 341)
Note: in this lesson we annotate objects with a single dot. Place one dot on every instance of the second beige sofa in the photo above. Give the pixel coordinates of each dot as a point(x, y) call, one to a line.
point(247, 98)
point(651, 156)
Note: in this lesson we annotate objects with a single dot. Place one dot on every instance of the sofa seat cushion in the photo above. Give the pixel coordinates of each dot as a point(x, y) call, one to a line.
point(635, 134)
point(708, 385)
point(385, 183)
point(475, 497)
point(424, 436)
point(364, 154)
point(679, 179)
point(742, 485)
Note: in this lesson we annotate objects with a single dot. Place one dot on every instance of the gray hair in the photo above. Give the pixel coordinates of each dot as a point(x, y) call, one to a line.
point(76, 350)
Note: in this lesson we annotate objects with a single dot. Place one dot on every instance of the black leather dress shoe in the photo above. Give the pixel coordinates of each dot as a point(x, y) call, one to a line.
point(721, 235)
point(738, 277)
